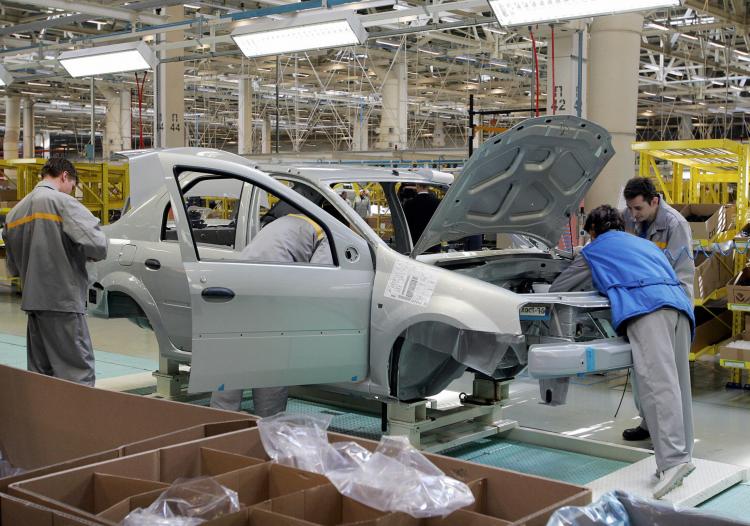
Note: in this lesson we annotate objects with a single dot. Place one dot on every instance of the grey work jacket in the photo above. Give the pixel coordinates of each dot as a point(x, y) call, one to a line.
point(48, 237)
point(670, 232)
point(292, 238)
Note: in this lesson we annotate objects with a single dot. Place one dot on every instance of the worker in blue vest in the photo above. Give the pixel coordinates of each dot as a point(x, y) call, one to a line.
point(651, 309)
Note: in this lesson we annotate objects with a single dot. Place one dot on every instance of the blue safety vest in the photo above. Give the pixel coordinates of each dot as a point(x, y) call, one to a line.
point(636, 277)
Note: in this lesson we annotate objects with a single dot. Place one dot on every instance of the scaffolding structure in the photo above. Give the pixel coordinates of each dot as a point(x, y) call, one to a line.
point(102, 187)
point(706, 172)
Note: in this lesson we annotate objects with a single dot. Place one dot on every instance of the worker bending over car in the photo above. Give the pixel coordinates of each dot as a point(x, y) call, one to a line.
point(293, 238)
point(647, 215)
point(651, 308)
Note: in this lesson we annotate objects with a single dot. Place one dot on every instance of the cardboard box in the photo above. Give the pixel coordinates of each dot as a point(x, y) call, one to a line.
point(50, 424)
point(738, 290)
point(711, 273)
point(713, 219)
point(728, 352)
point(238, 460)
point(712, 332)
point(15, 511)
point(9, 195)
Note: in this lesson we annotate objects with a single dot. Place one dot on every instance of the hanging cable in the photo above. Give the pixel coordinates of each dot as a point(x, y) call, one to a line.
point(536, 71)
point(139, 88)
point(554, 86)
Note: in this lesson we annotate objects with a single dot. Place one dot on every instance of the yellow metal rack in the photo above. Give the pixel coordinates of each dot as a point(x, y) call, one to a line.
point(704, 171)
point(102, 187)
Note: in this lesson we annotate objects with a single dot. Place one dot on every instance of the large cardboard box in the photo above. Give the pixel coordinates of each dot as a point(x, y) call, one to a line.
point(706, 220)
point(712, 332)
point(49, 425)
point(712, 272)
point(738, 290)
point(107, 491)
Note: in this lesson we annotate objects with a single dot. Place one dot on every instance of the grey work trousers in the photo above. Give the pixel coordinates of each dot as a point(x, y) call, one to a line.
point(58, 344)
point(267, 401)
point(660, 343)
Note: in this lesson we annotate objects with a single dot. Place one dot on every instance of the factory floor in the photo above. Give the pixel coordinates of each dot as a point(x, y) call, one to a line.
point(126, 355)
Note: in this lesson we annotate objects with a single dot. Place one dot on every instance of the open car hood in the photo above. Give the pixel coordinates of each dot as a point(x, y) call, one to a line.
point(528, 180)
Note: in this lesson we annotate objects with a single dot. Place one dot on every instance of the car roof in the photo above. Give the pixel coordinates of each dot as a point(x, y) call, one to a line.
point(322, 174)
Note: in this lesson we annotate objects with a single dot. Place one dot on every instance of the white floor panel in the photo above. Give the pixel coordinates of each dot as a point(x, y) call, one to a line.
point(709, 478)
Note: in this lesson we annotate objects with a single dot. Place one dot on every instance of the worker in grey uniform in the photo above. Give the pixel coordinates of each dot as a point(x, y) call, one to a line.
point(49, 236)
point(648, 216)
point(649, 306)
point(293, 238)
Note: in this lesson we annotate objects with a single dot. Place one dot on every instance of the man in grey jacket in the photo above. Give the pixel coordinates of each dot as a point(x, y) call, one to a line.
point(49, 236)
point(647, 215)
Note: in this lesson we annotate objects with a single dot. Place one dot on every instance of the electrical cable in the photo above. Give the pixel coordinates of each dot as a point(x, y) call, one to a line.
point(625, 388)
point(554, 86)
point(536, 70)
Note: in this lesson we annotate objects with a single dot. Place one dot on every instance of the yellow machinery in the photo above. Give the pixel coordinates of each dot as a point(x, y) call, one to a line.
point(705, 171)
point(102, 187)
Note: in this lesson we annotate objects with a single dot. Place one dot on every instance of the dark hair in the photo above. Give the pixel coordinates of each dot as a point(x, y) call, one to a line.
point(640, 186)
point(603, 219)
point(56, 166)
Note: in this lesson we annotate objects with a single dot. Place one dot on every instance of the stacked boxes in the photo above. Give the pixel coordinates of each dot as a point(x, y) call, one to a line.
point(271, 494)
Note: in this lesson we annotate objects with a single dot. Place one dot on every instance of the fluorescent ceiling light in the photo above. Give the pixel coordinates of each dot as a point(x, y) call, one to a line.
point(100, 60)
point(5, 76)
point(299, 33)
point(522, 12)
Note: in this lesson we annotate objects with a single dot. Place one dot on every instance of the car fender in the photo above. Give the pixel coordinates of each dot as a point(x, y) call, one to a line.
point(446, 297)
point(129, 284)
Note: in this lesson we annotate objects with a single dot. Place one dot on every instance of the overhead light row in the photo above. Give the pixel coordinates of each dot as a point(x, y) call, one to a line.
point(329, 30)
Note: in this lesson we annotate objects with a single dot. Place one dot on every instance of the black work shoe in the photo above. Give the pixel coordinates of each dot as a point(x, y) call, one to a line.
point(636, 433)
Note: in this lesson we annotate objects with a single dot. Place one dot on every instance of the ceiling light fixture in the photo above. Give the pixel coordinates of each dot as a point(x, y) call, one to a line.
point(522, 12)
point(101, 60)
point(299, 33)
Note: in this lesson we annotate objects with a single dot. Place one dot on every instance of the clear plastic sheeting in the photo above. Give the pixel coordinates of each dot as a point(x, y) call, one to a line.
point(396, 477)
point(482, 351)
point(618, 508)
point(187, 502)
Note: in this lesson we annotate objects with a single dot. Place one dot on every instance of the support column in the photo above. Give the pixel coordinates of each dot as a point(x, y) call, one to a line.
point(266, 135)
point(613, 98)
point(12, 127)
point(245, 118)
point(46, 144)
point(28, 129)
point(112, 141)
point(394, 113)
point(171, 87)
point(438, 135)
point(570, 76)
point(360, 128)
point(126, 124)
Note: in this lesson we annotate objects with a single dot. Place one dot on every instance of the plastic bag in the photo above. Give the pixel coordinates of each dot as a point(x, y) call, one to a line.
point(185, 503)
point(299, 441)
point(7, 469)
point(618, 508)
point(396, 477)
point(607, 510)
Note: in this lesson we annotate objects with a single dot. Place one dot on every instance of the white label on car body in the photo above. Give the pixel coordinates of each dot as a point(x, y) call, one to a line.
point(410, 284)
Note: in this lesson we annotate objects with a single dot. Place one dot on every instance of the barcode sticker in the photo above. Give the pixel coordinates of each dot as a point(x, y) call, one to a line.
point(410, 284)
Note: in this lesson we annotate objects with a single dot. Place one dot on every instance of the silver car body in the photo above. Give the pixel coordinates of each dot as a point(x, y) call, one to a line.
point(377, 322)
